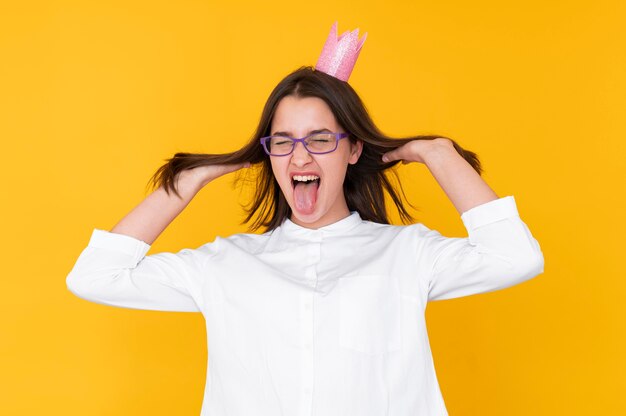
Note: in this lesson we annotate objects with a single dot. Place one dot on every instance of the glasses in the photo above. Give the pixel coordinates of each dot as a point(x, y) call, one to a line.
point(317, 143)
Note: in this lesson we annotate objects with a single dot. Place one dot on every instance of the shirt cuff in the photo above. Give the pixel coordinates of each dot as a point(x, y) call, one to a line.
point(119, 242)
point(489, 212)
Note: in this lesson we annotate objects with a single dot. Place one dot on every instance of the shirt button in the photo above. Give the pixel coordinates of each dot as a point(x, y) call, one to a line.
point(307, 346)
point(307, 306)
point(307, 391)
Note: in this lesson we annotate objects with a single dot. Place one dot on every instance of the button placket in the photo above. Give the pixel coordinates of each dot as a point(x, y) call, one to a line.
point(307, 352)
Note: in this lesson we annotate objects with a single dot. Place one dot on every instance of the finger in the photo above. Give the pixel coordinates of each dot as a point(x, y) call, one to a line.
point(393, 155)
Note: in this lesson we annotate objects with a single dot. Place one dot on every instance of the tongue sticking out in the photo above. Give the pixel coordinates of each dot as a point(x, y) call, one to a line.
point(305, 195)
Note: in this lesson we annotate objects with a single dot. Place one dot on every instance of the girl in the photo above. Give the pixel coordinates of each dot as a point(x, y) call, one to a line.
point(322, 313)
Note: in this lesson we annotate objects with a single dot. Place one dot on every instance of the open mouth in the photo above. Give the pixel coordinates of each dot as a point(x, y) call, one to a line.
point(305, 189)
point(298, 179)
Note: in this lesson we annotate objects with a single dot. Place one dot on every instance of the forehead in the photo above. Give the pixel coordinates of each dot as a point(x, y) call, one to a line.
point(299, 115)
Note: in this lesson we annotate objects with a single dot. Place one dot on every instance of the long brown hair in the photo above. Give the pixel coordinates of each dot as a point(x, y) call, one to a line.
point(365, 182)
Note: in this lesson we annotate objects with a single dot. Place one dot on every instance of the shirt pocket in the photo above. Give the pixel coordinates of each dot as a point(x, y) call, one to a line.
point(369, 314)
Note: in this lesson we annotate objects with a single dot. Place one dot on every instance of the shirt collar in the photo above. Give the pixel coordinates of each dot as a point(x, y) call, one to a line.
point(338, 227)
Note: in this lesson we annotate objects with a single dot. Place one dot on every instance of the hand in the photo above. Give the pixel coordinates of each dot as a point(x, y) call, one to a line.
point(198, 177)
point(416, 150)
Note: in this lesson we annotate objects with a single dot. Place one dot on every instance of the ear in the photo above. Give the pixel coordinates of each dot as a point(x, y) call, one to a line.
point(355, 151)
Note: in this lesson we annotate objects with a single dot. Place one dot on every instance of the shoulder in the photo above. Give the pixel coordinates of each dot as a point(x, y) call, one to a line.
point(398, 232)
point(376, 227)
point(248, 242)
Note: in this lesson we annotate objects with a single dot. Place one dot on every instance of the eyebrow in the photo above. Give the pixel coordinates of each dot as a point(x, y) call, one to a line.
point(287, 133)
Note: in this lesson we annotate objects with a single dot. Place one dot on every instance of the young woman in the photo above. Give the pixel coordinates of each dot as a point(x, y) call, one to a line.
point(323, 312)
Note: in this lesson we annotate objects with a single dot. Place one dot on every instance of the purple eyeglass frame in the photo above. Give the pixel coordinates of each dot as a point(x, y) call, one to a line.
point(338, 136)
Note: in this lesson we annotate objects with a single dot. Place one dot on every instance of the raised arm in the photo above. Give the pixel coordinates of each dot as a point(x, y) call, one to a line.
point(114, 270)
point(152, 216)
point(499, 251)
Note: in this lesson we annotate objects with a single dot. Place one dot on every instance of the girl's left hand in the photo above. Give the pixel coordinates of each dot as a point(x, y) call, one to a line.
point(416, 150)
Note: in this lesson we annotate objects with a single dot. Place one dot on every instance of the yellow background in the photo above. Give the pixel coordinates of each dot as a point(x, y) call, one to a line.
point(94, 96)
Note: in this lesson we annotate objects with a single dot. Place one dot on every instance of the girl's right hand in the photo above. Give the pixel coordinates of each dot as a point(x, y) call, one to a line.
point(199, 176)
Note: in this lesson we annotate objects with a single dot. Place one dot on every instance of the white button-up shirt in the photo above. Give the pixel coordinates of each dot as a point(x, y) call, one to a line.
point(326, 322)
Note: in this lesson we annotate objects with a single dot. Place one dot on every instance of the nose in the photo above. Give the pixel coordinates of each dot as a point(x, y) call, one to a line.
point(300, 155)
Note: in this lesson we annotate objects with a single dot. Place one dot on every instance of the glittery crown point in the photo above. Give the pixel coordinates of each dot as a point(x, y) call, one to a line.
point(339, 54)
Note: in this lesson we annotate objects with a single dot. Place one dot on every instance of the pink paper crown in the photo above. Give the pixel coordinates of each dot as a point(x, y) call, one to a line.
point(339, 54)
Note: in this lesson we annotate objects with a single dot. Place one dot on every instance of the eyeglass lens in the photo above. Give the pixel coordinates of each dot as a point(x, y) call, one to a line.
point(317, 143)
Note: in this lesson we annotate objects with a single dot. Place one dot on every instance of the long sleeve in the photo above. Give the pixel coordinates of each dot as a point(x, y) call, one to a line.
point(114, 270)
point(499, 252)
